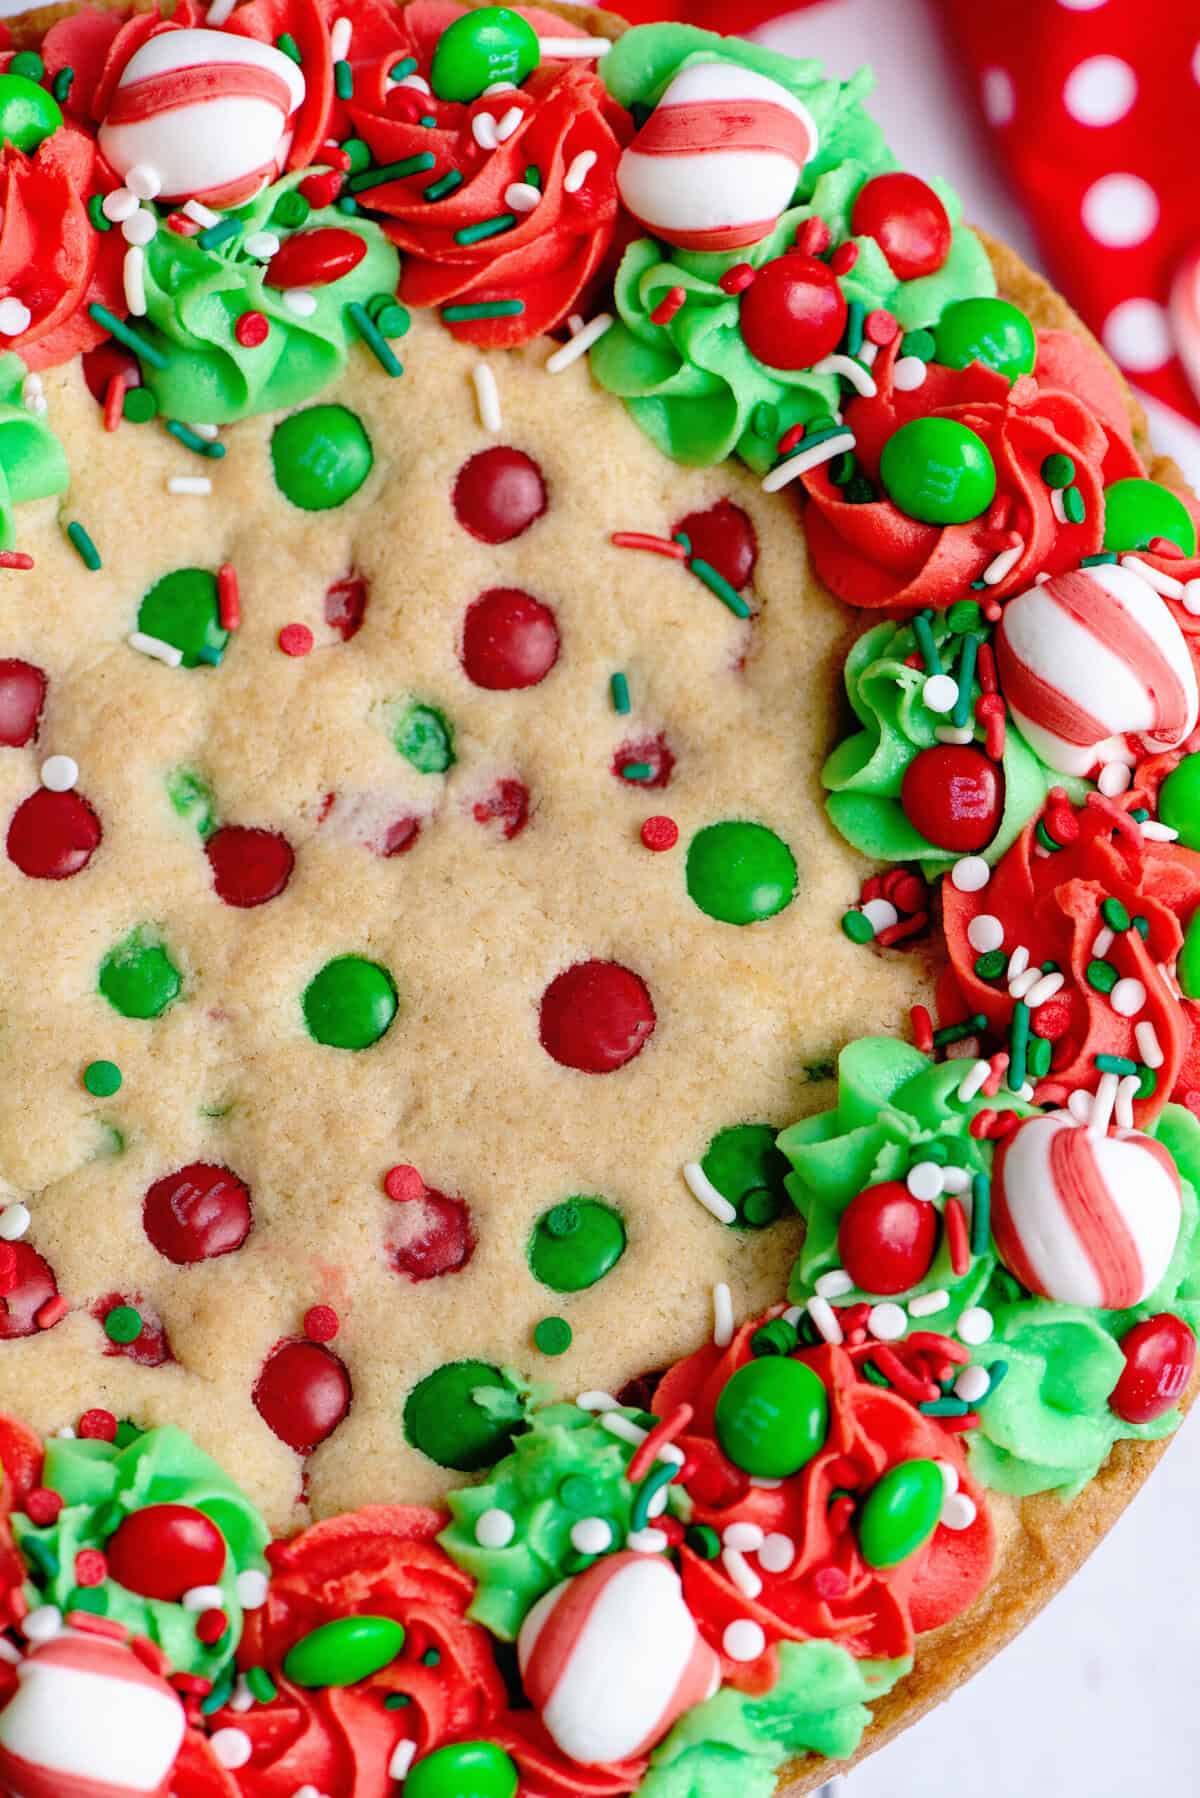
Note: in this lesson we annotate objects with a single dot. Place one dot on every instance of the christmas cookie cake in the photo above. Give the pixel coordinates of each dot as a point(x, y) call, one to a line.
point(600, 792)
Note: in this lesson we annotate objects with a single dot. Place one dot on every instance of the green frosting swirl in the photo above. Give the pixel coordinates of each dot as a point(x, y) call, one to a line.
point(33, 463)
point(736, 1743)
point(1048, 1425)
point(194, 297)
point(692, 384)
point(866, 771)
point(101, 1485)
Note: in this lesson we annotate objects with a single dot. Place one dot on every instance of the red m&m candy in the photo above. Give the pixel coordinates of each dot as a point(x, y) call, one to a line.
point(507, 804)
point(724, 537)
point(198, 1213)
point(1160, 1355)
point(954, 796)
point(886, 1238)
point(498, 494)
point(315, 258)
point(30, 1285)
point(249, 866)
point(510, 640)
point(595, 1017)
point(302, 1394)
point(908, 222)
point(22, 696)
point(795, 312)
point(164, 1551)
point(53, 835)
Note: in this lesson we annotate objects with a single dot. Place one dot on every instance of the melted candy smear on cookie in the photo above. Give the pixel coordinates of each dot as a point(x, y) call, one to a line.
point(198, 1213)
point(249, 865)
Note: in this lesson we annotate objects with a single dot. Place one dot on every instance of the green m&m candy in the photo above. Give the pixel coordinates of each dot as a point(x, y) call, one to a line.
point(901, 1513)
point(1179, 801)
point(27, 112)
point(493, 44)
point(1137, 510)
point(740, 873)
point(463, 1770)
point(424, 737)
point(350, 1003)
point(747, 1169)
point(772, 1417)
point(1188, 965)
point(138, 977)
point(939, 471)
point(444, 1418)
point(343, 1652)
point(575, 1244)
point(321, 457)
point(181, 609)
point(989, 331)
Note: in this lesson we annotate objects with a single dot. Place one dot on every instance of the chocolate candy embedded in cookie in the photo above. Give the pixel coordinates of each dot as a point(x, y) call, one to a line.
point(350, 1003)
point(198, 1213)
point(321, 457)
point(498, 494)
point(576, 1243)
point(302, 1394)
point(596, 1016)
point(444, 1419)
point(739, 872)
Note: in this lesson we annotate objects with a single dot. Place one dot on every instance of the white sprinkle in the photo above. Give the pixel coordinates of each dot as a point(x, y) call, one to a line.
point(483, 130)
point(972, 1383)
point(1058, 505)
point(722, 1302)
point(209, 432)
point(766, 1485)
point(974, 1081)
point(623, 1427)
point(745, 1537)
point(909, 374)
point(1154, 832)
point(1103, 1104)
point(119, 205)
point(924, 1180)
point(777, 1552)
point(59, 773)
point(565, 49)
point(954, 733)
point(579, 170)
point(403, 1756)
point(591, 1536)
point(200, 214)
point(1149, 1047)
point(133, 275)
point(580, 343)
point(144, 182)
point(154, 646)
point(794, 466)
point(985, 933)
point(859, 378)
point(1127, 1092)
point(141, 227)
point(949, 1475)
point(1079, 1104)
point(669, 1452)
point(835, 1284)
point(596, 1400)
point(881, 914)
point(242, 1698)
point(15, 316)
point(1024, 983)
point(574, 323)
point(741, 1573)
point(1128, 997)
point(521, 196)
point(487, 397)
point(1003, 565)
point(262, 245)
point(887, 1322)
point(1115, 778)
point(648, 1542)
point(1166, 584)
point(339, 40)
point(958, 1511)
point(218, 12)
point(14, 1221)
point(1191, 598)
point(418, 82)
point(198, 484)
point(975, 1325)
point(702, 1188)
point(1044, 989)
point(928, 1304)
point(251, 1589)
point(1018, 961)
point(792, 1315)
point(9, 1652)
point(940, 693)
point(509, 122)
point(498, 87)
point(970, 874)
point(825, 1319)
point(300, 301)
point(743, 1640)
point(203, 1598)
point(495, 1528)
point(955, 1179)
point(1103, 943)
point(43, 1623)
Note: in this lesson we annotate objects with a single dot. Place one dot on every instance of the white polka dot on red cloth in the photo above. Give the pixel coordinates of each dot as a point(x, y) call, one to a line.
point(999, 96)
point(1100, 90)
point(1137, 335)
point(1120, 210)
point(1082, 5)
point(1196, 62)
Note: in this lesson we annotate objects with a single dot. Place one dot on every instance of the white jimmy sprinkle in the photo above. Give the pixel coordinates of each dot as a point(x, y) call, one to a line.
point(972, 1383)
point(881, 914)
point(521, 196)
point(339, 40)
point(792, 1315)
point(909, 374)
point(498, 87)
point(15, 316)
point(14, 1221)
point(1128, 997)
point(1003, 565)
point(974, 1081)
point(262, 245)
point(495, 1528)
point(574, 323)
point(835, 1284)
point(1079, 1104)
point(1018, 961)
point(949, 1476)
point(970, 874)
point(825, 1320)
point(777, 1552)
point(1166, 584)
point(744, 1640)
point(414, 81)
point(954, 733)
point(928, 1304)
point(1191, 598)
point(648, 1542)
point(764, 1483)
point(203, 1598)
point(242, 1698)
point(1103, 1104)
point(1044, 989)
point(133, 276)
point(597, 1401)
point(624, 1428)
point(794, 466)
point(10, 1652)
point(1149, 1047)
point(924, 1180)
point(955, 1179)
point(745, 1537)
point(859, 378)
point(251, 1589)
point(143, 181)
point(42, 1624)
point(141, 227)
point(487, 397)
point(403, 1756)
point(580, 168)
point(722, 1302)
point(958, 1511)
point(591, 1536)
point(154, 646)
point(300, 301)
point(1024, 983)
point(985, 933)
point(210, 433)
point(1103, 943)
point(198, 484)
point(218, 12)
point(200, 214)
point(1058, 505)
point(702, 1188)
point(741, 1573)
point(887, 1322)
point(509, 122)
point(940, 693)
point(869, 353)
point(59, 773)
point(483, 130)
point(1156, 832)
point(975, 1325)
point(119, 205)
point(580, 343)
point(565, 49)
point(1115, 778)
point(1127, 1092)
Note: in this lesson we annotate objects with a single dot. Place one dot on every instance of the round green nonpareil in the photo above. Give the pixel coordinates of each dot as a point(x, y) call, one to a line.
point(772, 1417)
point(901, 1512)
point(345, 1651)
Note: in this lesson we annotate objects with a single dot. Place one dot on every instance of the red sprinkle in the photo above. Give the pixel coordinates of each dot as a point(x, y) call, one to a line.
point(999, 1066)
point(15, 558)
point(1165, 547)
point(662, 546)
point(903, 928)
point(880, 327)
point(660, 833)
point(92, 1625)
point(403, 1184)
point(841, 1511)
point(295, 640)
point(908, 1384)
point(321, 1323)
point(322, 190)
point(668, 306)
point(922, 1028)
point(667, 1430)
point(985, 668)
point(229, 602)
point(790, 439)
point(737, 279)
point(982, 1124)
point(831, 1583)
point(814, 237)
point(957, 1424)
point(211, 1626)
point(931, 1342)
point(957, 1238)
point(193, 1685)
point(252, 329)
point(152, 1656)
point(42, 1506)
point(52, 1312)
point(91, 1568)
point(114, 401)
point(844, 258)
point(182, 225)
point(334, 155)
point(97, 1426)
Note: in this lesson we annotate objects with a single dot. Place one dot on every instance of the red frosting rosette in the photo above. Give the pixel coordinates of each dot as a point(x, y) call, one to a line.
point(829, 1591)
point(1051, 904)
point(875, 555)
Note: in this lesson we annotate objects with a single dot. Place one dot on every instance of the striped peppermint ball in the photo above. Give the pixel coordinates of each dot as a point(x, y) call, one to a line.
point(207, 111)
point(718, 159)
point(1082, 1219)
point(612, 1657)
point(88, 1720)
point(1087, 658)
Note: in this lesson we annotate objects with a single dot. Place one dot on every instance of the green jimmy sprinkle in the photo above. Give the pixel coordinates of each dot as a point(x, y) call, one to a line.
point(82, 543)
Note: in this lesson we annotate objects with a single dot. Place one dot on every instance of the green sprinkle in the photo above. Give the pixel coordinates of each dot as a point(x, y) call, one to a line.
point(1050, 967)
point(123, 1324)
point(764, 420)
point(1058, 471)
point(27, 63)
point(1044, 837)
point(964, 615)
point(124, 334)
point(60, 87)
point(348, 204)
point(704, 1541)
point(485, 228)
point(637, 771)
point(813, 437)
point(192, 440)
point(1101, 975)
point(716, 583)
point(618, 687)
point(455, 315)
point(778, 1337)
point(1115, 914)
point(102, 1079)
point(262, 1685)
point(684, 541)
point(220, 233)
point(432, 1657)
point(843, 468)
point(1147, 1083)
point(1018, 1046)
point(427, 119)
point(222, 1691)
point(437, 190)
point(396, 1701)
point(139, 405)
point(1139, 814)
point(958, 1033)
point(359, 154)
point(945, 1407)
point(1074, 505)
point(964, 676)
point(872, 1373)
point(858, 927)
point(291, 209)
point(83, 546)
point(408, 66)
point(96, 211)
point(46, 1564)
point(918, 343)
point(855, 314)
point(859, 491)
point(343, 80)
point(392, 171)
point(210, 653)
point(925, 643)
point(287, 43)
point(1142, 926)
point(552, 1336)
point(533, 175)
point(991, 965)
point(1041, 1051)
point(1115, 1064)
point(981, 1213)
point(1105, 558)
point(374, 339)
point(658, 1477)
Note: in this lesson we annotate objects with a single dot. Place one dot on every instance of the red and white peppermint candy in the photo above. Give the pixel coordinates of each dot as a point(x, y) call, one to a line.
point(718, 159)
point(208, 111)
point(612, 1657)
point(1089, 657)
point(1082, 1219)
point(88, 1720)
